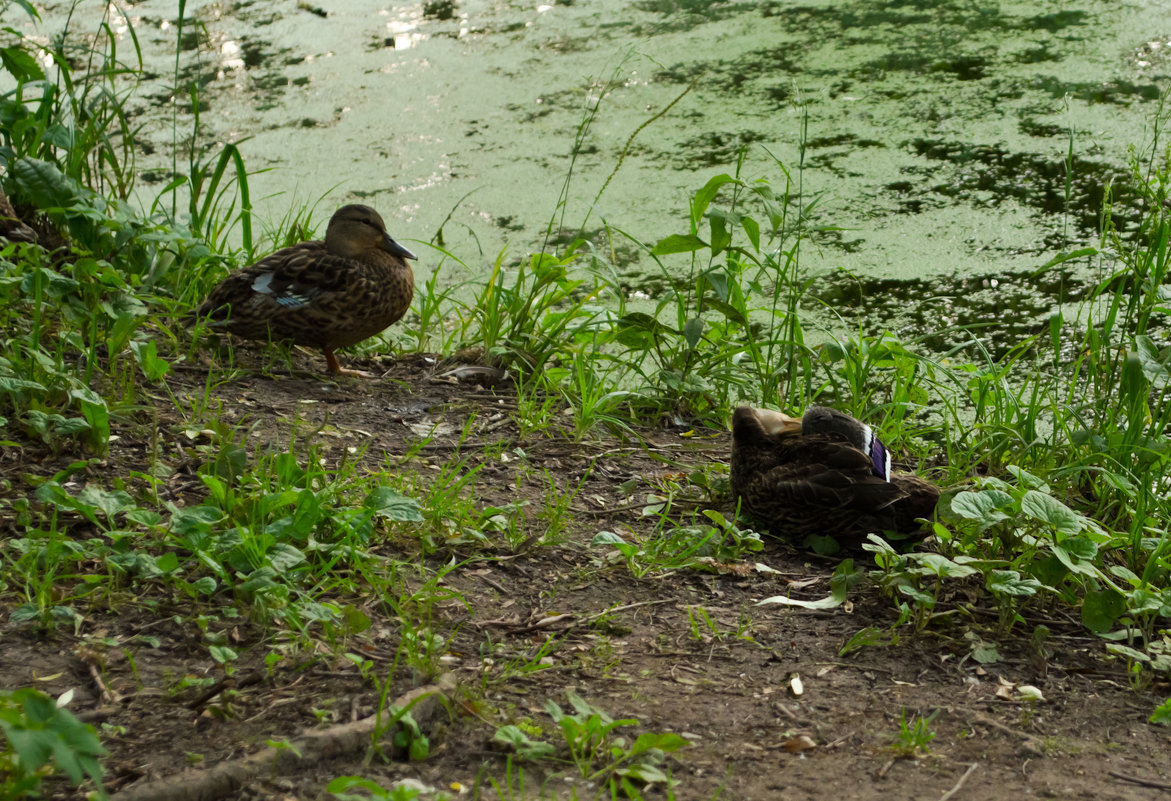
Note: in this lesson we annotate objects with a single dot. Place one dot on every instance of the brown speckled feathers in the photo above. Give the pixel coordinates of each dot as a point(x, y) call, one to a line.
point(326, 294)
point(11, 226)
point(800, 484)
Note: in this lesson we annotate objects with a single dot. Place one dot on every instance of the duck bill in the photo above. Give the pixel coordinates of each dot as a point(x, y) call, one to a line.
point(395, 249)
point(777, 422)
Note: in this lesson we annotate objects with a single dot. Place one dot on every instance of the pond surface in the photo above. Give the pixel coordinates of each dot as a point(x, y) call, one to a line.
point(932, 135)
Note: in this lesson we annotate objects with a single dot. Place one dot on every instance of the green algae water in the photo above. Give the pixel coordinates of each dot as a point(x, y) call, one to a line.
point(944, 148)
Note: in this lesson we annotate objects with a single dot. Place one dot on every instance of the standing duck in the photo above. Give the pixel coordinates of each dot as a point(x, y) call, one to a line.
point(825, 474)
point(323, 294)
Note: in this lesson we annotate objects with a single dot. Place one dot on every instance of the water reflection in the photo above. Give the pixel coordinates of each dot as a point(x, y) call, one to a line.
point(231, 56)
point(404, 31)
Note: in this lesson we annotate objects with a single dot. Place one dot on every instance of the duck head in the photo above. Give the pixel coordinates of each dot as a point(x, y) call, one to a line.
point(355, 230)
point(750, 424)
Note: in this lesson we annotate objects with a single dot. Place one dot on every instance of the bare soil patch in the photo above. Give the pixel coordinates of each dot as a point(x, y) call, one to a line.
point(625, 644)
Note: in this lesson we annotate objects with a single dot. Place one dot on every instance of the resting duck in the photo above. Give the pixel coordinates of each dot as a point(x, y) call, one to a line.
point(321, 294)
point(12, 227)
point(823, 474)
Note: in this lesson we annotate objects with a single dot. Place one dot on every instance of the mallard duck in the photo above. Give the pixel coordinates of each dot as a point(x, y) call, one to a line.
point(823, 474)
point(323, 294)
point(12, 227)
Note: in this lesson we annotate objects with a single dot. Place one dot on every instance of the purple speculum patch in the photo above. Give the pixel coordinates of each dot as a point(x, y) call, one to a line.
point(879, 455)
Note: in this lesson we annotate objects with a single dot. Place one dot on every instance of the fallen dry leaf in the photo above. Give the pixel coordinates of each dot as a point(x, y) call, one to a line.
point(799, 743)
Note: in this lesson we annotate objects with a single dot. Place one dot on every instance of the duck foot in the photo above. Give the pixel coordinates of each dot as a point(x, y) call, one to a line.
point(337, 369)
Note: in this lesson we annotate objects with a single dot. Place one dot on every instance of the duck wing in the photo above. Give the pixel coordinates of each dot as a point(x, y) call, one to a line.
point(814, 486)
point(303, 293)
point(291, 278)
point(820, 473)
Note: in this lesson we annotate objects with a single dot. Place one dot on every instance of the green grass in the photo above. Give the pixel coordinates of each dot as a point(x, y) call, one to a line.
point(1055, 453)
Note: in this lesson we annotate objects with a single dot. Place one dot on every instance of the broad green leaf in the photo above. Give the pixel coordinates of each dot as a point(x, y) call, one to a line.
point(868, 637)
point(999, 496)
point(718, 280)
point(194, 519)
point(385, 502)
point(97, 414)
point(984, 652)
point(524, 746)
point(1026, 479)
point(43, 184)
point(992, 482)
point(692, 331)
point(1134, 390)
point(1081, 547)
point(48, 425)
point(1123, 572)
point(1048, 509)
point(941, 566)
point(1162, 713)
point(147, 518)
point(707, 194)
point(24, 613)
point(1142, 601)
point(607, 538)
point(845, 578)
point(284, 557)
point(728, 310)
point(110, 503)
point(222, 654)
point(319, 612)
point(678, 243)
point(152, 365)
point(1128, 652)
point(1049, 570)
point(1009, 582)
point(47, 730)
point(1154, 363)
point(260, 579)
point(643, 773)
point(136, 563)
point(649, 741)
point(979, 506)
point(355, 619)
point(752, 228)
point(1074, 561)
point(640, 331)
point(924, 599)
point(15, 385)
point(1101, 608)
point(822, 544)
point(716, 517)
point(719, 220)
point(20, 63)
point(206, 585)
point(645, 322)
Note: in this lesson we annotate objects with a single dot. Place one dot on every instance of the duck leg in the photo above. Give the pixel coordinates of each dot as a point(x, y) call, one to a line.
point(336, 369)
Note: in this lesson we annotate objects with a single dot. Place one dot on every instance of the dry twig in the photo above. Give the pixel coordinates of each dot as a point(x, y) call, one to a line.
point(956, 788)
point(225, 779)
point(1139, 780)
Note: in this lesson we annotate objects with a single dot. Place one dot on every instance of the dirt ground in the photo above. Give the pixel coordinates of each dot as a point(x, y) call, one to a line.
point(625, 644)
